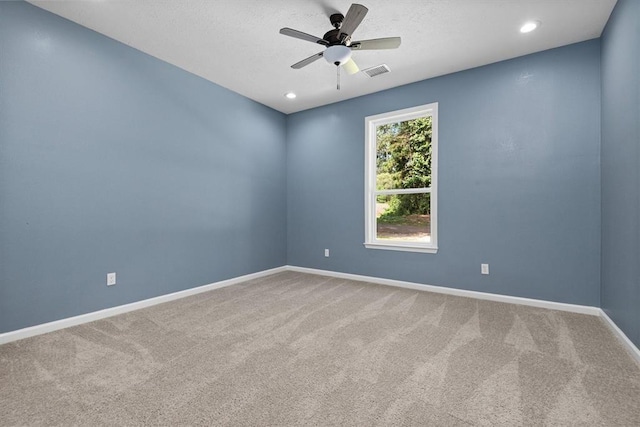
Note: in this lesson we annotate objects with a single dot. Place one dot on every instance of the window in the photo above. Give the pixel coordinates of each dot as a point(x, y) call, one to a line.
point(401, 180)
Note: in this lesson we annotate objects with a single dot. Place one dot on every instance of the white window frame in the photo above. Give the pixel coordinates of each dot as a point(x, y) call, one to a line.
point(370, 191)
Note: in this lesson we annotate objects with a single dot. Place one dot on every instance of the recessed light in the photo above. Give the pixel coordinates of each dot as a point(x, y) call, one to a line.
point(290, 95)
point(529, 26)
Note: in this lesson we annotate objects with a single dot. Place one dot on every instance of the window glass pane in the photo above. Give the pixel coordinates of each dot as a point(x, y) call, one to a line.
point(403, 154)
point(404, 217)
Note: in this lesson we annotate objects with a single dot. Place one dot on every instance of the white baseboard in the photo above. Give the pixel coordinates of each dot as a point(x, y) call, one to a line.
point(573, 308)
point(631, 347)
point(583, 309)
point(108, 312)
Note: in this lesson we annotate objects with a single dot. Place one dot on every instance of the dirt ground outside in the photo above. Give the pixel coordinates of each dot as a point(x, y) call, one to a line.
point(416, 228)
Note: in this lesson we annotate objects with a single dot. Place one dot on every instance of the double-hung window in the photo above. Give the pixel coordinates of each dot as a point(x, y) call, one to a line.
point(401, 180)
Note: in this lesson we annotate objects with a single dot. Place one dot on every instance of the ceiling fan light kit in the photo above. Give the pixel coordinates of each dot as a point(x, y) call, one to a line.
point(337, 54)
point(337, 42)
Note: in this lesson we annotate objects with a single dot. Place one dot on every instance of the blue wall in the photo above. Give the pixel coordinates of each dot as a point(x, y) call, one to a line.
point(519, 183)
point(621, 168)
point(111, 160)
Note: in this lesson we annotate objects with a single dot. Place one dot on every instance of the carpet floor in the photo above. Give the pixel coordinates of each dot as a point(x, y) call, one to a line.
point(300, 349)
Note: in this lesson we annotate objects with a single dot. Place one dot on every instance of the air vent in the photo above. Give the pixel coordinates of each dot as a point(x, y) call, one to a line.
point(377, 70)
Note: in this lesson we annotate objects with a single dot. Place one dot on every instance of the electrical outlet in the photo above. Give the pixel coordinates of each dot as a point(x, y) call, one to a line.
point(111, 279)
point(326, 253)
point(484, 268)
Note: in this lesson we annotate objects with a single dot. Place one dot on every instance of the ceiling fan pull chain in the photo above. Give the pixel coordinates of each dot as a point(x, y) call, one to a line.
point(338, 68)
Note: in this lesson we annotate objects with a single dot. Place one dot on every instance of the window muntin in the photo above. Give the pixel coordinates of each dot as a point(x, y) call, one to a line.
point(401, 178)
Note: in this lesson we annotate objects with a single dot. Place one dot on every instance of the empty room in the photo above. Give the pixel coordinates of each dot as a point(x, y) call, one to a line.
point(319, 212)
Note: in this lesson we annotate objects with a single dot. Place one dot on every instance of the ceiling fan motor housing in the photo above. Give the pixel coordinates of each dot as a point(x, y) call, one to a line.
point(333, 37)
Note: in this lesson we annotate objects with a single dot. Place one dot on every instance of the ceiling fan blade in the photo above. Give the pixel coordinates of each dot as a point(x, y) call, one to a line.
point(307, 61)
point(350, 66)
point(375, 44)
point(352, 19)
point(303, 36)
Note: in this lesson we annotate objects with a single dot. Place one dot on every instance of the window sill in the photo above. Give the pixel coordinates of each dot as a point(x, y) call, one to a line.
point(401, 247)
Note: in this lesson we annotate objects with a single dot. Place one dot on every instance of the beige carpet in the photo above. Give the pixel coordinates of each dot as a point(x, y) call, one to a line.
point(298, 349)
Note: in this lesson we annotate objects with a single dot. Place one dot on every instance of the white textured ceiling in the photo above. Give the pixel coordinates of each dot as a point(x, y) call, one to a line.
point(236, 44)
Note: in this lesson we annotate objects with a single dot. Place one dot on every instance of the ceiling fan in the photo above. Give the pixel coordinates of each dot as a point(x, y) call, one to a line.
point(338, 41)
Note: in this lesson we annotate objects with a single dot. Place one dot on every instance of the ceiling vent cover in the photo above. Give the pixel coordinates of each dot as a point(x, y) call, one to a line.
point(377, 70)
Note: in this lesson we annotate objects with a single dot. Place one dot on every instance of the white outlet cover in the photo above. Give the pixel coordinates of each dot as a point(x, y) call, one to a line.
point(484, 268)
point(326, 253)
point(111, 279)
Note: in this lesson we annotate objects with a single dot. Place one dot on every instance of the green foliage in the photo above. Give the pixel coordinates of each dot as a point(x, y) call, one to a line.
point(403, 205)
point(384, 181)
point(395, 208)
point(396, 213)
point(404, 161)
